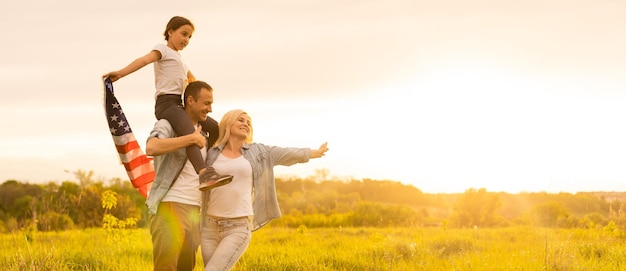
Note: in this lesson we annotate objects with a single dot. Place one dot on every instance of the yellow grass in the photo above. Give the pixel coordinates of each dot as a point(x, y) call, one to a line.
point(273, 248)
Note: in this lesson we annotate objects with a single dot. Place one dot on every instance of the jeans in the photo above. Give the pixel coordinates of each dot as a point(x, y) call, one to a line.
point(223, 241)
point(175, 231)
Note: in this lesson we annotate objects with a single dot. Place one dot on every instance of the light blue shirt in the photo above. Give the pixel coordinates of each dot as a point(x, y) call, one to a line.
point(262, 158)
point(167, 166)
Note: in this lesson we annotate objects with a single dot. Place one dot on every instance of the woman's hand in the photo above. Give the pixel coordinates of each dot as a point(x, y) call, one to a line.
point(320, 152)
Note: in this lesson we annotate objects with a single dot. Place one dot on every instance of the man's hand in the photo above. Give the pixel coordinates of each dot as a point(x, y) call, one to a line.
point(197, 138)
point(159, 146)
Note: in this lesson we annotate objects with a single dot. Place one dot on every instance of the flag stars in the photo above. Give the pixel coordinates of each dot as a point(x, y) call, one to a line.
point(121, 123)
point(114, 118)
point(116, 105)
point(113, 130)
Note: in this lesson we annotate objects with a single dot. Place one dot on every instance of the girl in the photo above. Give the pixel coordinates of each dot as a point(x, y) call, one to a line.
point(171, 76)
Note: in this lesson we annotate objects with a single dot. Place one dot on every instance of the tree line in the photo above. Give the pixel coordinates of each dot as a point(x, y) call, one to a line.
point(80, 203)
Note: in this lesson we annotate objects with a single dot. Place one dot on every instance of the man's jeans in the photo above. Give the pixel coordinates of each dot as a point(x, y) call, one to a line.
point(223, 241)
point(175, 231)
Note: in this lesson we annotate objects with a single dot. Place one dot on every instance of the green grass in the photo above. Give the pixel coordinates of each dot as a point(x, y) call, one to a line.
point(273, 248)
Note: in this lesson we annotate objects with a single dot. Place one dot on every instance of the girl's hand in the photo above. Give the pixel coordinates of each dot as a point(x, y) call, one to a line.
point(113, 76)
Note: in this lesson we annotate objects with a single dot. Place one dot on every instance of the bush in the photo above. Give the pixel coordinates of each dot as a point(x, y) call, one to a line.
point(52, 221)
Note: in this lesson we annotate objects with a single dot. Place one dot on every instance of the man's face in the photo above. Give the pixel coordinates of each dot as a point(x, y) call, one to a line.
point(200, 107)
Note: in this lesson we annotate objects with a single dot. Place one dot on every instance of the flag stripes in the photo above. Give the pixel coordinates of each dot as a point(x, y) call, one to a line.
point(138, 166)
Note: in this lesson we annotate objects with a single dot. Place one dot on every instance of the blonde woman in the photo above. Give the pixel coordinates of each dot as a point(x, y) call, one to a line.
point(227, 210)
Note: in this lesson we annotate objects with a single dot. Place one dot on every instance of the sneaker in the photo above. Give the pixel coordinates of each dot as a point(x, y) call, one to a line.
point(209, 179)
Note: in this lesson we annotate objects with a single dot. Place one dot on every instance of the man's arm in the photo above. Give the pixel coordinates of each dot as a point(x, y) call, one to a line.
point(158, 146)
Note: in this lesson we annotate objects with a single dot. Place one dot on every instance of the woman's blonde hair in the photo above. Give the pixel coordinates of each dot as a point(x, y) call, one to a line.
point(227, 122)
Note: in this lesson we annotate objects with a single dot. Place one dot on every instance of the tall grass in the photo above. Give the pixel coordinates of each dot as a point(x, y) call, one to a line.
point(274, 248)
point(93, 249)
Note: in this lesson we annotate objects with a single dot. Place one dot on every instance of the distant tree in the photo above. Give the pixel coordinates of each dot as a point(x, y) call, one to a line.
point(321, 174)
point(19, 200)
point(370, 214)
point(69, 196)
point(89, 207)
point(476, 208)
point(548, 214)
point(84, 178)
point(130, 203)
point(593, 220)
point(52, 221)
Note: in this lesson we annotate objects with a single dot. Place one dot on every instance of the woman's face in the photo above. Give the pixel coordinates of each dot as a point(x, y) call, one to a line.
point(241, 127)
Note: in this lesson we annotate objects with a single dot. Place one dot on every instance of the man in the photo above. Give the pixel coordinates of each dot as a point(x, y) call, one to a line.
point(174, 199)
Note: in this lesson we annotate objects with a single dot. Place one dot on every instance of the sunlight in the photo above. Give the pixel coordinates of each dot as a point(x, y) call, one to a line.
point(485, 126)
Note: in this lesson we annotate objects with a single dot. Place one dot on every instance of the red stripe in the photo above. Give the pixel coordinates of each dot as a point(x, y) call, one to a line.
point(132, 145)
point(131, 155)
point(138, 173)
point(143, 179)
point(140, 170)
point(137, 162)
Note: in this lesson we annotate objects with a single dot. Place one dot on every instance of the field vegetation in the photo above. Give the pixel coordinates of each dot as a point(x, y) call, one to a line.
point(88, 224)
point(278, 248)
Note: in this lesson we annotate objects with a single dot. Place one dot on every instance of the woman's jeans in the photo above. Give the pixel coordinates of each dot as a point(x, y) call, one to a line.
point(223, 241)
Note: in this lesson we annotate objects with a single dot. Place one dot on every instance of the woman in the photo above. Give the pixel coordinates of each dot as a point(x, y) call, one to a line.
point(226, 210)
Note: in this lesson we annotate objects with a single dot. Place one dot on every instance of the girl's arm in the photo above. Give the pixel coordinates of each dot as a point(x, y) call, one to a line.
point(137, 64)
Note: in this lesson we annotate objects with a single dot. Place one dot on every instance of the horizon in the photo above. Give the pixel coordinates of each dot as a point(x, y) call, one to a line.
point(288, 178)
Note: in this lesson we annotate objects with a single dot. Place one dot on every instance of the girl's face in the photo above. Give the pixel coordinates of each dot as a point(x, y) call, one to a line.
point(180, 37)
point(241, 127)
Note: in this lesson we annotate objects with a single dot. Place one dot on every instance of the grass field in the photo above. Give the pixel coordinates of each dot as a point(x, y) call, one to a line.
point(273, 249)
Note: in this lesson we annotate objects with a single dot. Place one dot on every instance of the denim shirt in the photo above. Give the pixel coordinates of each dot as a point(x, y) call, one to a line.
point(262, 158)
point(167, 166)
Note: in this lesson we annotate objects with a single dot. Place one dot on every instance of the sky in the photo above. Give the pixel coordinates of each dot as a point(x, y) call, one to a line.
point(512, 96)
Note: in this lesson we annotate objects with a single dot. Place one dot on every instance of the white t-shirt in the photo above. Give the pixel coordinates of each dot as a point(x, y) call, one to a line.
point(185, 188)
point(170, 72)
point(234, 199)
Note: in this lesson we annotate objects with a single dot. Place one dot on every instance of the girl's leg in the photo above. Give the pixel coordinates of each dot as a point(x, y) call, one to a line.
point(169, 107)
point(211, 127)
point(182, 125)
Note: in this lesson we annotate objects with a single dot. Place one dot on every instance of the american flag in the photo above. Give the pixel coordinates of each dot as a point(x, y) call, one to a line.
point(138, 166)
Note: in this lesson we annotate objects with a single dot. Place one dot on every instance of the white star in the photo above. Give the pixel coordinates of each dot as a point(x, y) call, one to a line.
point(126, 128)
point(116, 105)
point(114, 118)
point(113, 130)
point(121, 123)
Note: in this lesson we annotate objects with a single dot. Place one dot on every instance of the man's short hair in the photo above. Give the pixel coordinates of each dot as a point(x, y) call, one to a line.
point(193, 89)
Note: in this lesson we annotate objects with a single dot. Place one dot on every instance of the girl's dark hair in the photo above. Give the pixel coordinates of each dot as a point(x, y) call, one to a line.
point(175, 23)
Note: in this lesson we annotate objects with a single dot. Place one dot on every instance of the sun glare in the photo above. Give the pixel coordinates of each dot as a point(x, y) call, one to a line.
point(473, 126)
